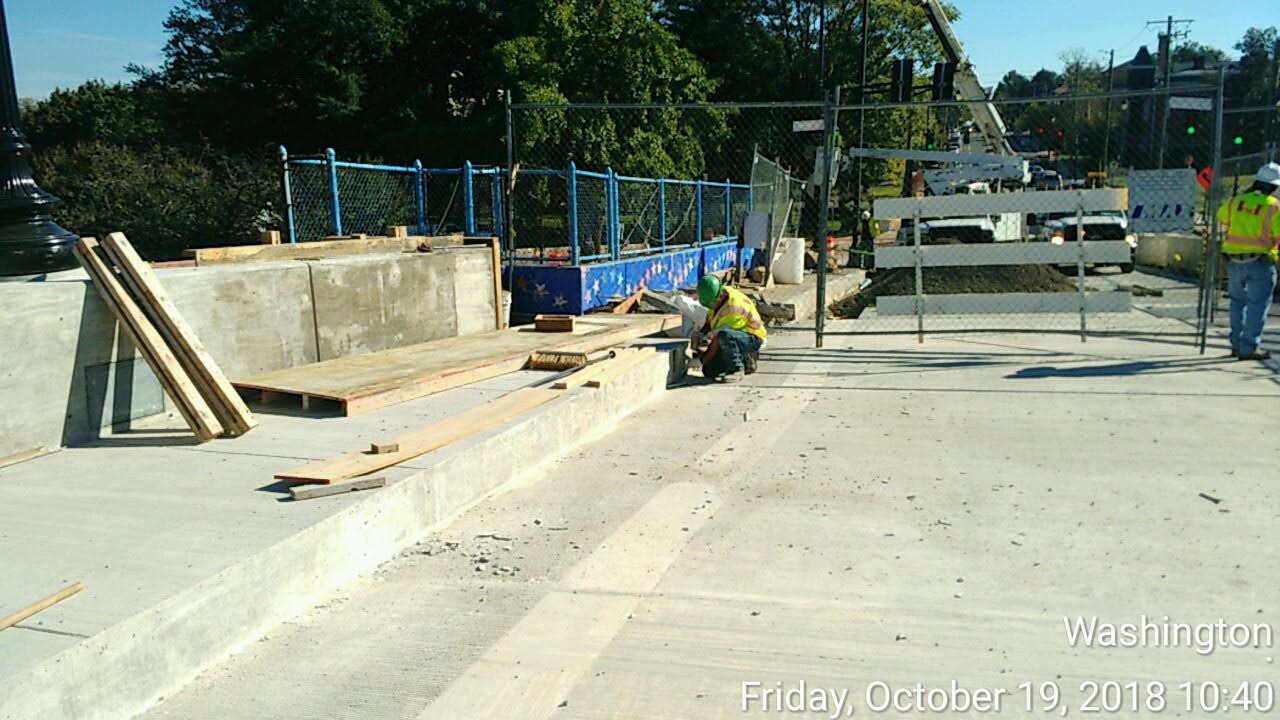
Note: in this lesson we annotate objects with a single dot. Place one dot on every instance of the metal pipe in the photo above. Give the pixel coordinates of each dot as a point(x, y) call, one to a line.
point(335, 207)
point(286, 185)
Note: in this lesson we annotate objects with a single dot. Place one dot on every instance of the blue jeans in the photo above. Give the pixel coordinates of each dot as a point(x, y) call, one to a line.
point(1250, 285)
point(730, 357)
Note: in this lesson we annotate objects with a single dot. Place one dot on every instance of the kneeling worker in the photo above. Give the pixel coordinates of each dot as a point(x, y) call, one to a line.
point(735, 328)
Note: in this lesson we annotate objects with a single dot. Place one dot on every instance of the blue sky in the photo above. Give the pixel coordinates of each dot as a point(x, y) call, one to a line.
point(62, 43)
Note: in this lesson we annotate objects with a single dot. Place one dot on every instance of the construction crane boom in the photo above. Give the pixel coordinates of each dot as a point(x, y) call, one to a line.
point(968, 87)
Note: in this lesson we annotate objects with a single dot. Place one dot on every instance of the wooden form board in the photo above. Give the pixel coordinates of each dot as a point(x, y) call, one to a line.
point(1049, 201)
point(173, 378)
point(40, 605)
point(1005, 303)
point(1008, 253)
point(366, 382)
point(424, 440)
point(199, 364)
point(590, 372)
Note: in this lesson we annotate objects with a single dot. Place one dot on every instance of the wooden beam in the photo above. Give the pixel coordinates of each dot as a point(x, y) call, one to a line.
point(44, 604)
point(307, 492)
point(193, 407)
point(553, 323)
point(271, 237)
point(397, 231)
point(302, 251)
point(196, 360)
point(625, 306)
point(424, 440)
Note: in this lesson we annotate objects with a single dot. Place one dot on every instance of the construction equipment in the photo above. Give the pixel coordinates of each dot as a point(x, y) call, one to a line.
point(968, 87)
point(966, 167)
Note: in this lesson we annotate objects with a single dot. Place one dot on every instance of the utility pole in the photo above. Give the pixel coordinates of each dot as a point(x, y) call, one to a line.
point(1166, 59)
point(862, 130)
point(822, 48)
point(1106, 124)
point(1273, 124)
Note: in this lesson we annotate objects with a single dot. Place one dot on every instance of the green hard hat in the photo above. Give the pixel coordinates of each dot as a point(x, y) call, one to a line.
point(708, 290)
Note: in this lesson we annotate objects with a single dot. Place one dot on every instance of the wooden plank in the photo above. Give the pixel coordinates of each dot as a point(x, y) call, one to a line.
point(1006, 253)
point(397, 231)
point(271, 237)
point(382, 448)
point(618, 369)
point(1005, 303)
point(21, 457)
point(301, 251)
point(424, 440)
point(626, 305)
point(204, 371)
point(950, 206)
point(590, 372)
point(553, 323)
point(307, 492)
point(366, 382)
point(193, 407)
point(40, 605)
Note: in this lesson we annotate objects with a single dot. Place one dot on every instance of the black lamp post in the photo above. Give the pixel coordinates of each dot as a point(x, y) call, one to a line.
point(31, 243)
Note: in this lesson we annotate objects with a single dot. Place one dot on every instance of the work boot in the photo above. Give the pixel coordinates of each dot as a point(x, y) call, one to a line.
point(752, 362)
point(731, 378)
point(1255, 355)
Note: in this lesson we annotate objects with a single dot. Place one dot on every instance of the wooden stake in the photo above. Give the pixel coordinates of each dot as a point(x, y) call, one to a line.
point(32, 609)
point(314, 491)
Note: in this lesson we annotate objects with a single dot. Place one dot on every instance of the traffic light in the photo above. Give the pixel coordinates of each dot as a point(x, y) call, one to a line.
point(1041, 131)
point(1237, 140)
point(944, 81)
point(903, 77)
point(1191, 129)
point(1061, 134)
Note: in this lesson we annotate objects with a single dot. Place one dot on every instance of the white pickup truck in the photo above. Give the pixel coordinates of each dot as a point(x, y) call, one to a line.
point(1060, 228)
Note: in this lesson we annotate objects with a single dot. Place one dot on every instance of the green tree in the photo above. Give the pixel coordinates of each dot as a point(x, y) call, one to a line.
point(117, 114)
point(1192, 51)
point(1014, 85)
point(1256, 49)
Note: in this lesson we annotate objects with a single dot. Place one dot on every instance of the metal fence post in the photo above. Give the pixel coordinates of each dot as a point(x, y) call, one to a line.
point(728, 208)
point(919, 263)
point(420, 197)
point(824, 214)
point(496, 189)
point(468, 199)
point(1084, 331)
point(574, 250)
point(697, 230)
point(1214, 248)
point(611, 213)
point(335, 207)
point(287, 186)
point(662, 211)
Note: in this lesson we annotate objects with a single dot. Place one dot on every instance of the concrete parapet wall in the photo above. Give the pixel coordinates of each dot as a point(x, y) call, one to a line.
point(1177, 252)
point(67, 370)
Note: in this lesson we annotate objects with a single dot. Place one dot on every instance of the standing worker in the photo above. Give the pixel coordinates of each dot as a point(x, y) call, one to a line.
point(1252, 247)
point(735, 329)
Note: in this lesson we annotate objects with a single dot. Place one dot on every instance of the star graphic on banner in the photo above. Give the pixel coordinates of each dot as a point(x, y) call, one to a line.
point(559, 301)
point(539, 291)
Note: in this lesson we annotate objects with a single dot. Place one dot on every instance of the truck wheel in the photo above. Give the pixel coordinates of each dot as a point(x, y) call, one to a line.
point(1126, 268)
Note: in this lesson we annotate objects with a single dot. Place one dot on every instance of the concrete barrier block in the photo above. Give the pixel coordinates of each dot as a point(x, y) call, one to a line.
point(473, 280)
point(372, 303)
point(252, 318)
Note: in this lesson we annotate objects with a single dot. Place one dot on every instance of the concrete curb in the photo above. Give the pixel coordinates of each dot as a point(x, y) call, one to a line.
point(136, 663)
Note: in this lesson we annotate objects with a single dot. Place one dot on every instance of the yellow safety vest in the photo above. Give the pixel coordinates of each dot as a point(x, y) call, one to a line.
point(738, 313)
point(1253, 225)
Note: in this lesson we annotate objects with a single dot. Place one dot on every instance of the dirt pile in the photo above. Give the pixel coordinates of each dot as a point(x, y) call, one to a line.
point(956, 281)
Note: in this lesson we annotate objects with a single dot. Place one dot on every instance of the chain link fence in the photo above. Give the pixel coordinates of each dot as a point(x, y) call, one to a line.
point(326, 197)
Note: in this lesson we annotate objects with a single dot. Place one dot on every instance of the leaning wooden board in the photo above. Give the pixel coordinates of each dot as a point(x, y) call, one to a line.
point(423, 440)
point(199, 364)
point(173, 378)
point(366, 382)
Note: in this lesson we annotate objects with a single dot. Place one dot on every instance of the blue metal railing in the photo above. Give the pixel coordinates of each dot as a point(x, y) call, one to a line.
point(324, 196)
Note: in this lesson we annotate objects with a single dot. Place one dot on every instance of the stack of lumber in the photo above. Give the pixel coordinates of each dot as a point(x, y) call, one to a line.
point(362, 383)
point(188, 374)
point(403, 448)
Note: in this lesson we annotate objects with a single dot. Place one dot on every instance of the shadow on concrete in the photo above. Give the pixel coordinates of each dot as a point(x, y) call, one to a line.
point(140, 439)
point(1137, 367)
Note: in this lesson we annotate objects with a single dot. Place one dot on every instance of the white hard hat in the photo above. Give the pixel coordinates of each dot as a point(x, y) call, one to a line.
point(1269, 174)
point(866, 215)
